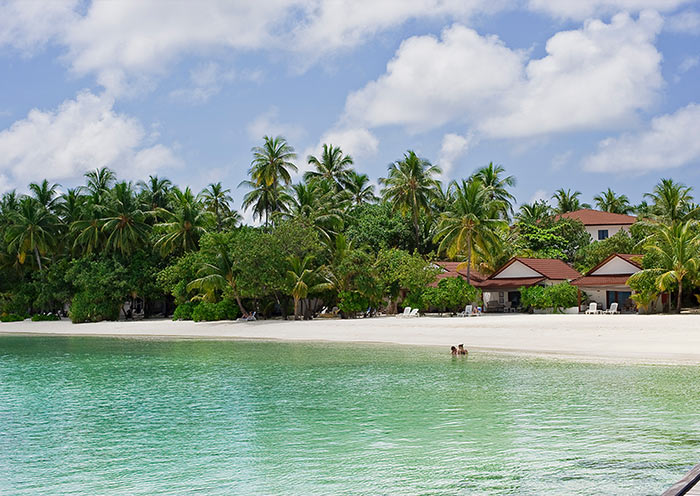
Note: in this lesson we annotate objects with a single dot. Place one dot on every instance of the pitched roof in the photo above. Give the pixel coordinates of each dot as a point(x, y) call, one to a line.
point(550, 268)
point(510, 282)
point(591, 217)
point(606, 280)
point(627, 257)
point(452, 269)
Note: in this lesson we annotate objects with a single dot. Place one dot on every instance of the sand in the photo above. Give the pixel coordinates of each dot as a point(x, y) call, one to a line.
point(652, 339)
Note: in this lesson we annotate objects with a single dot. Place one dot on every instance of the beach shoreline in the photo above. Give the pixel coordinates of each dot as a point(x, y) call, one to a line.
point(645, 339)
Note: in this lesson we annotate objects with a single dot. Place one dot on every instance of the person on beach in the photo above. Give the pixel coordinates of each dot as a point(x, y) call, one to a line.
point(453, 351)
point(461, 350)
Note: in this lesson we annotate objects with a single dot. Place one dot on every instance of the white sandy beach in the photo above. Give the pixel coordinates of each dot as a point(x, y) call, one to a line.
point(654, 339)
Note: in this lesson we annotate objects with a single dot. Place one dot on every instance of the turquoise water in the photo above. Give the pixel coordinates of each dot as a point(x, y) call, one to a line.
point(96, 416)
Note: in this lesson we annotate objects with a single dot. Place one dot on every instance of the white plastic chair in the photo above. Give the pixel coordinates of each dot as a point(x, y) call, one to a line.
point(414, 313)
point(613, 309)
point(592, 308)
point(406, 312)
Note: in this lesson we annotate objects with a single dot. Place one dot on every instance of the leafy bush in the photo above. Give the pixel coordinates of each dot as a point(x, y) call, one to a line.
point(86, 308)
point(12, 317)
point(645, 290)
point(556, 297)
point(45, 317)
point(224, 310)
point(451, 294)
point(184, 311)
point(351, 302)
point(591, 255)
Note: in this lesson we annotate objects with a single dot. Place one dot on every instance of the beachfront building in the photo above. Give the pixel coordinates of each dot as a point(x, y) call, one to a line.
point(606, 283)
point(501, 290)
point(601, 225)
point(452, 269)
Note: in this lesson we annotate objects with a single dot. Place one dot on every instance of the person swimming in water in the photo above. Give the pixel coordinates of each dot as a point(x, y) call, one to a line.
point(453, 350)
point(461, 350)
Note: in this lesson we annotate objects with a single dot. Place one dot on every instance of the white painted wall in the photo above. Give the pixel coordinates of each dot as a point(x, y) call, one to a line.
point(517, 269)
point(616, 266)
point(593, 230)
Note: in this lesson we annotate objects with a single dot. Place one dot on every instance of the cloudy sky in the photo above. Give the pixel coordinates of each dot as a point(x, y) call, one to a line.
point(563, 93)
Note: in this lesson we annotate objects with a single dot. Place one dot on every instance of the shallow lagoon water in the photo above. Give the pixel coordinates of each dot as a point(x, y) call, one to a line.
point(102, 416)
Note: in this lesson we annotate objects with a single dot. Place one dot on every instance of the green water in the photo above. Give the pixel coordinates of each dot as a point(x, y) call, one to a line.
point(92, 416)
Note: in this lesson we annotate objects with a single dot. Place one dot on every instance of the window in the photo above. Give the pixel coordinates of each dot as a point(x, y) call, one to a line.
point(501, 297)
point(602, 234)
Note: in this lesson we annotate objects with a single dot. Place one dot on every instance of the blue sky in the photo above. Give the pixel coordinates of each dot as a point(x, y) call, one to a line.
point(563, 93)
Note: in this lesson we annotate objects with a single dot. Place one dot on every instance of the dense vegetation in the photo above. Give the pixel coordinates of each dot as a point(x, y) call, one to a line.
point(112, 247)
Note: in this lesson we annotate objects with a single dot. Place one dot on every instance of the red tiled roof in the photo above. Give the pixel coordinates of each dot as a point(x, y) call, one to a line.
point(550, 268)
point(595, 281)
point(511, 282)
point(591, 217)
point(452, 268)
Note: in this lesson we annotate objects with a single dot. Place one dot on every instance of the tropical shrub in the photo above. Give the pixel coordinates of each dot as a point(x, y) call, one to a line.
point(12, 317)
point(85, 307)
point(645, 290)
point(591, 255)
point(184, 311)
point(223, 310)
point(45, 317)
point(451, 294)
point(556, 297)
point(351, 302)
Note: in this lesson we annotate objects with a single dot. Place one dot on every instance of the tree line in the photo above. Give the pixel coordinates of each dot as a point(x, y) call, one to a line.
point(329, 240)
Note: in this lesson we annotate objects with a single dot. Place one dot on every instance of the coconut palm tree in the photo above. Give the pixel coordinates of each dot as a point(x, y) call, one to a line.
point(333, 166)
point(272, 162)
point(183, 226)
point(217, 200)
point(266, 201)
point(125, 225)
point(359, 188)
point(410, 186)
point(71, 205)
point(672, 201)
point(676, 251)
point(154, 192)
point(568, 201)
point(99, 182)
point(318, 203)
point(492, 178)
point(219, 274)
point(608, 201)
point(33, 230)
point(301, 280)
point(532, 213)
point(45, 194)
point(470, 218)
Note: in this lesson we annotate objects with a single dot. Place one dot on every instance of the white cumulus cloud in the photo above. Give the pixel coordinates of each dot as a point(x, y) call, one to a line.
point(454, 146)
point(670, 141)
point(584, 9)
point(82, 134)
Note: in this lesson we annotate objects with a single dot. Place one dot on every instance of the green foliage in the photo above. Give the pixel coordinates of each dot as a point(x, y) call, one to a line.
point(561, 239)
point(351, 302)
point(223, 310)
point(645, 290)
point(12, 317)
point(557, 297)
point(45, 317)
point(451, 295)
point(400, 270)
point(377, 226)
point(184, 310)
point(102, 287)
point(591, 255)
point(174, 278)
point(87, 308)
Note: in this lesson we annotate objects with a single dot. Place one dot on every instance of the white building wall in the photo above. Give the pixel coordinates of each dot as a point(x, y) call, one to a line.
point(593, 230)
point(616, 266)
point(517, 269)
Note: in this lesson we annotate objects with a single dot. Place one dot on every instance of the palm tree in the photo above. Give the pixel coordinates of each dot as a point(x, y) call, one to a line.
point(219, 274)
point(333, 166)
point(99, 181)
point(45, 194)
point(470, 218)
point(410, 186)
point(676, 251)
point(183, 226)
point(491, 177)
point(299, 278)
point(568, 201)
point(672, 201)
point(533, 213)
point(33, 229)
point(318, 203)
point(217, 200)
point(272, 162)
point(608, 201)
point(155, 192)
point(359, 188)
point(71, 205)
point(266, 201)
point(125, 225)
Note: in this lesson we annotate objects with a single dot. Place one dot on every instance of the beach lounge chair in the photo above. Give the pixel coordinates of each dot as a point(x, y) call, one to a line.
point(613, 309)
point(406, 312)
point(467, 311)
point(592, 308)
point(251, 317)
point(414, 313)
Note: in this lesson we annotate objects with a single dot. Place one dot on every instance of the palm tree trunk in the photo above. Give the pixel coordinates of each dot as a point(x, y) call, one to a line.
point(469, 259)
point(296, 308)
point(240, 305)
point(416, 230)
point(680, 296)
point(38, 258)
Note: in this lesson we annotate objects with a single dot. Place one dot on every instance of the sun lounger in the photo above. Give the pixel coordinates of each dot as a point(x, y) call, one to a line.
point(467, 311)
point(406, 312)
point(592, 309)
point(414, 313)
point(613, 309)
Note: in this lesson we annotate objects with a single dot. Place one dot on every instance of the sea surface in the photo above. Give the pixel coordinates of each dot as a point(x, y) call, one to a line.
point(103, 416)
